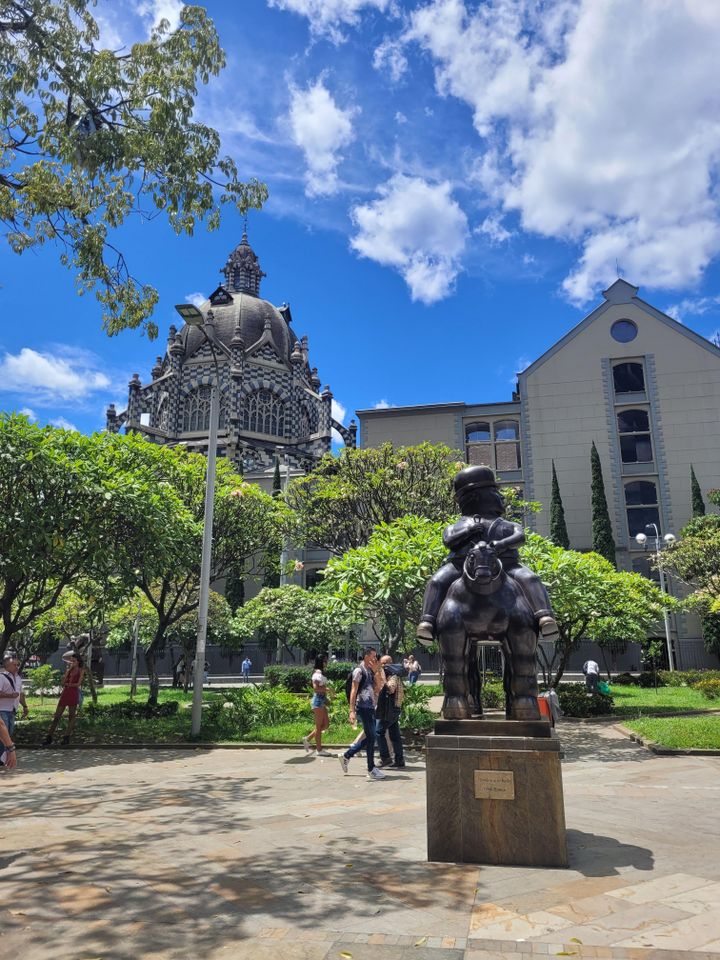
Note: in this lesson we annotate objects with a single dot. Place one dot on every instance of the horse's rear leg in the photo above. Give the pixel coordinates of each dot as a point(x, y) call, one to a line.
point(454, 647)
point(523, 676)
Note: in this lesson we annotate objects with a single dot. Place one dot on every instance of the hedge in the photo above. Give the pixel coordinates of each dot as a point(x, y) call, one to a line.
point(575, 701)
point(298, 679)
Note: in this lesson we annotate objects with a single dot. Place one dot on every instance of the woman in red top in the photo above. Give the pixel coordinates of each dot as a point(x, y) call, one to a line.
point(70, 698)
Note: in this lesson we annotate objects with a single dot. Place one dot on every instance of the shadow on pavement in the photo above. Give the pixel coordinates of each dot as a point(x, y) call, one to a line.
point(595, 855)
point(590, 743)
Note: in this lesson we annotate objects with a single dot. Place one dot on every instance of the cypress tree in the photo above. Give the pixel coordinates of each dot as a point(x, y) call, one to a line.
point(698, 504)
point(603, 541)
point(558, 527)
point(277, 483)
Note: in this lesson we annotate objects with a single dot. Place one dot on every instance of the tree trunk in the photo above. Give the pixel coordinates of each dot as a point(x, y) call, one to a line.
point(153, 678)
point(91, 679)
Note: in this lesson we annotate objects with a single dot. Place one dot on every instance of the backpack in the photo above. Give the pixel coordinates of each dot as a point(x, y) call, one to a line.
point(349, 682)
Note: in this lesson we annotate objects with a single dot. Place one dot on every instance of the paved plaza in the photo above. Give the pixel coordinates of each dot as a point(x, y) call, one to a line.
point(269, 854)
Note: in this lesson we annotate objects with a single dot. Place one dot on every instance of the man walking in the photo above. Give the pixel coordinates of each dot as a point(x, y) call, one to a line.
point(389, 708)
point(245, 668)
point(592, 674)
point(11, 692)
point(367, 682)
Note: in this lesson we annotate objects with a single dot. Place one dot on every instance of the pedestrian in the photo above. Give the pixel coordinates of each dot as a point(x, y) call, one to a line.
point(592, 675)
point(413, 669)
point(245, 668)
point(69, 697)
point(367, 682)
point(319, 707)
point(8, 758)
point(387, 714)
point(11, 692)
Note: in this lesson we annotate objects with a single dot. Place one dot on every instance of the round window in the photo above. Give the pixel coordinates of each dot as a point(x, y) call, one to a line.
point(623, 331)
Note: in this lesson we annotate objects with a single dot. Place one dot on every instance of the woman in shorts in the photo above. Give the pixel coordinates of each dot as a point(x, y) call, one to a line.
point(319, 707)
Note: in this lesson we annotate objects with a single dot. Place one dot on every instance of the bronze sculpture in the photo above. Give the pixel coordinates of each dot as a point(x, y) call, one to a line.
point(483, 590)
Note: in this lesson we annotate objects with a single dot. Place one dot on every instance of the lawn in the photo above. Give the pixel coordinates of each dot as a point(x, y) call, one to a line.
point(634, 701)
point(702, 733)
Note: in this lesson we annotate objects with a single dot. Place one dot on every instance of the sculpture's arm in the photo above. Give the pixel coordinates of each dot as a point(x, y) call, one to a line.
point(515, 539)
point(456, 534)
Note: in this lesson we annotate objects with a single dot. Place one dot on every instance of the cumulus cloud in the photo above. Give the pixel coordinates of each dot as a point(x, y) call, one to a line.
point(62, 424)
point(321, 129)
point(693, 307)
point(389, 58)
point(51, 377)
point(417, 228)
point(599, 123)
point(492, 227)
point(29, 413)
point(338, 410)
point(153, 11)
point(197, 299)
point(327, 17)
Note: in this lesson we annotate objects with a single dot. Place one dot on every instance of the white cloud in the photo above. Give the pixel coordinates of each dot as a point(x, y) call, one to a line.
point(62, 424)
point(492, 227)
point(389, 57)
point(328, 16)
point(49, 377)
point(417, 228)
point(321, 129)
point(693, 307)
point(153, 11)
point(600, 125)
point(197, 299)
point(29, 413)
point(381, 405)
point(338, 411)
point(400, 117)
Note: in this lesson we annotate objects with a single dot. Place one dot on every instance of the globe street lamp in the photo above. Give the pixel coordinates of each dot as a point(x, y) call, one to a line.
point(194, 318)
point(669, 538)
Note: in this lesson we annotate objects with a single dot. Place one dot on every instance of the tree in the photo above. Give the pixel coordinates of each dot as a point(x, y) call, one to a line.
point(287, 617)
point(592, 601)
point(558, 527)
point(92, 136)
point(603, 541)
point(384, 580)
point(244, 523)
point(698, 504)
point(74, 509)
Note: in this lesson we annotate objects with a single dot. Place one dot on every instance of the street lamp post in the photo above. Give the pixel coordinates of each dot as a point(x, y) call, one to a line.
point(193, 317)
point(285, 550)
point(641, 538)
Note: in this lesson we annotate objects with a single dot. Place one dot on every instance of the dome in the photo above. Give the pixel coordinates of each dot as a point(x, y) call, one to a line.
point(249, 313)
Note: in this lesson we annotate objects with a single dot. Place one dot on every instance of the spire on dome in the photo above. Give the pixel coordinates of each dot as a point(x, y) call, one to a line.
point(242, 270)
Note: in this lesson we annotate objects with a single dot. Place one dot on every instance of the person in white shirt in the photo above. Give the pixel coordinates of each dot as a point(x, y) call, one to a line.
point(592, 674)
point(11, 692)
point(319, 708)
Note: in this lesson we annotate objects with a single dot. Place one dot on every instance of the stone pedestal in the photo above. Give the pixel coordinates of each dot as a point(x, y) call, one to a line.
point(494, 793)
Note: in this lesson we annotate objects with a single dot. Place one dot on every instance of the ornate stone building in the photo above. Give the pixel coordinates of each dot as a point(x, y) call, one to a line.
point(270, 400)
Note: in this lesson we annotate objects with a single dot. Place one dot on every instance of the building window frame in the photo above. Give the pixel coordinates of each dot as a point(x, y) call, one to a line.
point(264, 412)
point(633, 436)
point(642, 504)
point(486, 445)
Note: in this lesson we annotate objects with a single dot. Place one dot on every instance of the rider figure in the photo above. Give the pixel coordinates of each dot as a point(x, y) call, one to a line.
point(482, 506)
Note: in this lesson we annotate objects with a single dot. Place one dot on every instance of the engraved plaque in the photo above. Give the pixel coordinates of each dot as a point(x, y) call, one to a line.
point(494, 785)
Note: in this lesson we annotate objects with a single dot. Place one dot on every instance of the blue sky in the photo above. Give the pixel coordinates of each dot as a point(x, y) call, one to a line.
point(452, 184)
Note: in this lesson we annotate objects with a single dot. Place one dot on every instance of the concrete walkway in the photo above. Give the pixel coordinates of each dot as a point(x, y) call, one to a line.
point(270, 854)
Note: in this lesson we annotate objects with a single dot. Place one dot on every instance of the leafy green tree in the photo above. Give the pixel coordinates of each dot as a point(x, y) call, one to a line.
point(74, 509)
point(558, 527)
point(289, 616)
point(92, 136)
point(383, 582)
point(698, 504)
point(603, 541)
point(592, 601)
point(42, 680)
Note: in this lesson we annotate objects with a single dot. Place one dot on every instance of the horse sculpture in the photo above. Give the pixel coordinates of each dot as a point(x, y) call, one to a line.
point(485, 601)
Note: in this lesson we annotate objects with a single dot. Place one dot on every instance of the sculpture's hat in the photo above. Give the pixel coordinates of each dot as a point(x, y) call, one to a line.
point(473, 478)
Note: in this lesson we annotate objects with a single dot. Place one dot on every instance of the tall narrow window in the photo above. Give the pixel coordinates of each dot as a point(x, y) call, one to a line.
point(507, 445)
point(308, 422)
point(478, 443)
point(641, 501)
point(629, 377)
point(162, 414)
point(264, 412)
point(635, 442)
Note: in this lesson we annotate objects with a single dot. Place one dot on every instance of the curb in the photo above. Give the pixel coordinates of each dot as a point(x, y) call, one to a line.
point(662, 751)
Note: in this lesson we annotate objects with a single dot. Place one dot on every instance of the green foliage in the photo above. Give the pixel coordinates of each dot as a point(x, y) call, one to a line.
point(711, 632)
point(603, 541)
point(592, 600)
point(384, 581)
point(698, 504)
point(576, 702)
point(680, 733)
point(625, 680)
point(492, 696)
point(695, 559)
point(288, 616)
point(238, 711)
point(298, 679)
point(42, 680)
point(93, 137)
point(558, 527)
point(131, 709)
point(416, 716)
point(686, 678)
point(708, 688)
point(650, 678)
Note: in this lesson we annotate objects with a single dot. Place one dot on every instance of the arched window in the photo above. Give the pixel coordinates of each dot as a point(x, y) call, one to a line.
point(196, 412)
point(641, 501)
point(635, 442)
point(264, 412)
point(629, 377)
point(162, 414)
point(478, 444)
point(308, 421)
point(477, 433)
